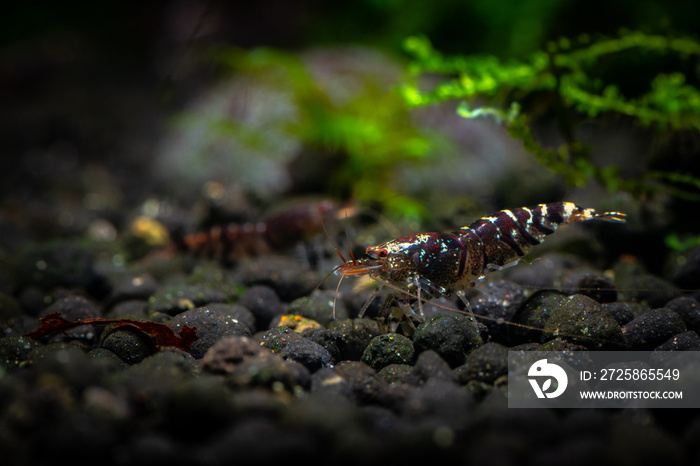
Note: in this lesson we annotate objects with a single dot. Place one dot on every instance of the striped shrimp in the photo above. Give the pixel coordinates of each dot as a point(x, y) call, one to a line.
point(435, 264)
point(275, 233)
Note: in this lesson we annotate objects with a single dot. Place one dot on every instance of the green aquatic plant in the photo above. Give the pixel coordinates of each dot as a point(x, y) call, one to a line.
point(362, 135)
point(577, 79)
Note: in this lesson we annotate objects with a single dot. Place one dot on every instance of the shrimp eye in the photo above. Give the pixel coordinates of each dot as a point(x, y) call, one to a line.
point(378, 252)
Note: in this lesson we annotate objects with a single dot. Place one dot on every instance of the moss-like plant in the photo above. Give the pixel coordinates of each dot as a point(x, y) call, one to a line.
point(574, 76)
point(368, 132)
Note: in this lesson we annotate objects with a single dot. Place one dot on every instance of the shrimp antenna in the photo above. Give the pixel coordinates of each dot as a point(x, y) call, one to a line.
point(337, 268)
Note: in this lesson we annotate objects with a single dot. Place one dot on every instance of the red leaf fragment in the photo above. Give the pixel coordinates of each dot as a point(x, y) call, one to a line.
point(163, 334)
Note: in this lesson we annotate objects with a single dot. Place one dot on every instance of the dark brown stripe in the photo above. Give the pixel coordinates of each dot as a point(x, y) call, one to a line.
point(524, 221)
point(462, 257)
point(555, 212)
point(540, 214)
point(505, 226)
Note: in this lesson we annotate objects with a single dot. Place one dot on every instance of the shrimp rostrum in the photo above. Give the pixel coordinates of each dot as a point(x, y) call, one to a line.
point(434, 264)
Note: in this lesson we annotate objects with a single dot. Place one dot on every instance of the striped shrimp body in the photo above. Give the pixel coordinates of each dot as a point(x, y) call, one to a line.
point(439, 263)
point(278, 232)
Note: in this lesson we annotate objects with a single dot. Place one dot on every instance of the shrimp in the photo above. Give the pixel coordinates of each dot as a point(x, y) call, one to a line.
point(437, 264)
point(275, 233)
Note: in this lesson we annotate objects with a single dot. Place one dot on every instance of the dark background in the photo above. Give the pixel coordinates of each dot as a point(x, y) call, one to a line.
point(85, 88)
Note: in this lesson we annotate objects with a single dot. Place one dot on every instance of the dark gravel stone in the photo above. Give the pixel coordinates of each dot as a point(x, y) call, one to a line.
point(285, 275)
point(326, 380)
point(544, 272)
point(689, 310)
point(390, 348)
point(176, 298)
point(60, 264)
point(9, 308)
point(263, 303)
point(535, 312)
point(559, 344)
point(657, 447)
point(130, 344)
point(245, 363)
point(429, 365)
point(581, 320)
point(682, 342)
point(486, 363)
point(451, 334)
point(33, 300)
point(170, 361)
point(399, 373)
point(498, 302)
point(129, 309)
point(687, 274)
point(213, 274)
point(259, 441)
point(319, 306)
point(238, 312)
point(14, 352)
point(621, 312)
point(74, 308)
point(106, 358)
point(594, 285)
point(152, 447)
point(366, 385)
point(354, 336)
point(652, 329)
point(211, 325)
point(138, 287)
point(69, 362)
point(440, 404)
point(292, 345)
point(329, 339)
point(637, 285)
point(193, 400)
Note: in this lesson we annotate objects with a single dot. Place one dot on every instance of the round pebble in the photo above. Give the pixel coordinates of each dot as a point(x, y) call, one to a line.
point(138, 287)
point(353, 336)
point(594, 285)
point(652, 329)
point(285, 275)
point(429, 364)
point(581, 320)
point(293, 346)
point(621, 312)
point(245, 363)
point(486, 363)
point(130, 344)
point(321, 306)
point(74, 308)
point(366, 385)
point(534, 313)
point(450, 334)
point(397, 373)
point(211, 325)
point(14, 352)
point(60, 264)
point(263, 303)
point(390, 348)
point(174, 299)
point(687, 273)
point(689, 310)
point(681, 342)
point(498, 302)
